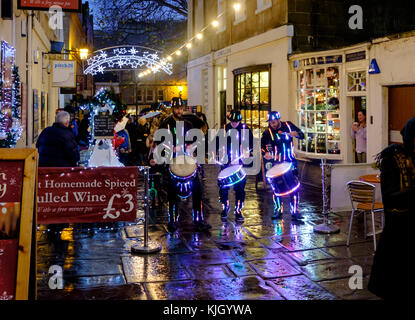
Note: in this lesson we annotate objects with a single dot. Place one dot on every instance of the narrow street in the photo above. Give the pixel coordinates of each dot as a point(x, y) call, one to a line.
point(261, 259)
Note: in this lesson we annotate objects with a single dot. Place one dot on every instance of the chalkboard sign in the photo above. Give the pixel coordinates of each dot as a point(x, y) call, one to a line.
point(103, 126)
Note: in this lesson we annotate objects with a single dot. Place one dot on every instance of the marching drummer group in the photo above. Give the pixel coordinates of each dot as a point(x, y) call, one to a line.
point(279, 166)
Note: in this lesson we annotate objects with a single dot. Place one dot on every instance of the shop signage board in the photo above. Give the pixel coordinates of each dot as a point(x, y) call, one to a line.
point(18, 171)
point(66, 5)
point(64, 74)
point(84, 195)
point(355, 56)
point(103, 126)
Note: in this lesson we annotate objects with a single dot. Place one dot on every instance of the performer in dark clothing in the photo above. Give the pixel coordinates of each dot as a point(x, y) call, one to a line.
point(277, 147)
point(170, 123)
point(397, 179)
point(243, 134)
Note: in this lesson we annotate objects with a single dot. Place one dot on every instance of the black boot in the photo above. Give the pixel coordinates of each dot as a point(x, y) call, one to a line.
point(173, 217)
point(225, 211)
point(199, 221)
point(238, 212)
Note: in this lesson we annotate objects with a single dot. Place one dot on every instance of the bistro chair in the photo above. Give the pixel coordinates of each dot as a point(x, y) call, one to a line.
point(363, 194)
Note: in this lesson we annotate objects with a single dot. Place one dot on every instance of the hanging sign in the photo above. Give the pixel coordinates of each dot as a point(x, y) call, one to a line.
point(66, 5)
point(71, 195)
point(64, 74)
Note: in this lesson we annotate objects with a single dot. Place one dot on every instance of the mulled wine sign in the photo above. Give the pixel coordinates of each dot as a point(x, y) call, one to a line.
point(71, 195)
point(17, 192)
point(66, 5)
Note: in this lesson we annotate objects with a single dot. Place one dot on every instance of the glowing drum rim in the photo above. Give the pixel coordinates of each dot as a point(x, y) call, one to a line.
point(231, 175)
point(183, 170)
point(282, 179)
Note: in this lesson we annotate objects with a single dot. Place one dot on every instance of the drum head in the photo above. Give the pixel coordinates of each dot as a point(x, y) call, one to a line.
point(229, 171)
point(278, 169)
point(183, 166)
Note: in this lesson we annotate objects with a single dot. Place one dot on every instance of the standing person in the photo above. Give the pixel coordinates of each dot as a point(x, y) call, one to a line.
point(143, 130)
point(84, 134)
point(277, 147)
point(124, 148)
point(235, 123)
point(57, 145)
point(397, 180)
point(58, 148)
point(358, 132)
point(170, 123)
point(73, 123)
point(131, 128)
point(202, 117)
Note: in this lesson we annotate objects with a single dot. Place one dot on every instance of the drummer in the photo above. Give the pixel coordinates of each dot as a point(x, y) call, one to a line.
point(198, 218)
point(235, 159)
point(277, 147)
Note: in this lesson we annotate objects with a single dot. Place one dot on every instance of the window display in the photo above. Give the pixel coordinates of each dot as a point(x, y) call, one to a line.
point(252, 97)
point(318, 110)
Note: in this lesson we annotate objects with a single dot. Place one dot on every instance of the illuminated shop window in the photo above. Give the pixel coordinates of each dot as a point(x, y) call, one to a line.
point(252, 96)
point(318, 110)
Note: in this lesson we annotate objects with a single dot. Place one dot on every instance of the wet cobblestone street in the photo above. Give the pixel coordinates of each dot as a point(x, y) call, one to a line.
point(260, 259)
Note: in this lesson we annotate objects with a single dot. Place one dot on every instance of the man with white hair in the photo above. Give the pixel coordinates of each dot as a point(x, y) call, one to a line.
point(57, 145)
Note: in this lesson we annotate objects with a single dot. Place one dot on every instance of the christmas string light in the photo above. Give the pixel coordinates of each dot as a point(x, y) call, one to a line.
point(10, 102)
point(199, 35)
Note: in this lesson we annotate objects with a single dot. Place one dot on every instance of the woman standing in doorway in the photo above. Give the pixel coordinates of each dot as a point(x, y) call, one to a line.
point(359, 133)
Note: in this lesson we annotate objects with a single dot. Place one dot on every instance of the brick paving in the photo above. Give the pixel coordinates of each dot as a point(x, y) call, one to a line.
point(260, 259)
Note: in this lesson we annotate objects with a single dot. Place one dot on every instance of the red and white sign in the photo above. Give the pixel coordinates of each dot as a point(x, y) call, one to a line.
point(76, 195)
point(66, 5)
point(8, 263)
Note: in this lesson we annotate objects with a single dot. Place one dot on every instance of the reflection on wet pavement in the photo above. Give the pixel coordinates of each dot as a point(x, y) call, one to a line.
point(260, 259)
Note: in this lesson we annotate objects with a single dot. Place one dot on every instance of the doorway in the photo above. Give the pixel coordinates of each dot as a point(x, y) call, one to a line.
point(358, 104)
point(401, 109)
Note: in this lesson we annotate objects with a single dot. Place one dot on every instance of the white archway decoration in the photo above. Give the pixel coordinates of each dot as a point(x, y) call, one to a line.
point(126, 58)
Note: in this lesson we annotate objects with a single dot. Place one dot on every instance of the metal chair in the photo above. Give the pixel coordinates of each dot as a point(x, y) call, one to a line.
point(363, 193)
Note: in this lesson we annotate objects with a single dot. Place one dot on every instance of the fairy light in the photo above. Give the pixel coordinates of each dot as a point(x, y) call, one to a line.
point(215, 23)
point(178, 53)
point(199, 36)
point(188, 45)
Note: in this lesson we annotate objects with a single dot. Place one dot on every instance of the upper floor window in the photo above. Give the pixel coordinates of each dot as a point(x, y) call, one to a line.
point(150, 95)
point(221, 15)
point(240, 11)
point(263, 5)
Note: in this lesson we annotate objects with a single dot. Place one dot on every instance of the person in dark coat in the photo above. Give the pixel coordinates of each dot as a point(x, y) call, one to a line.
point(243, 133)
point(57, 145)
point(170, 123)
point(277, 147)
point(388, 278)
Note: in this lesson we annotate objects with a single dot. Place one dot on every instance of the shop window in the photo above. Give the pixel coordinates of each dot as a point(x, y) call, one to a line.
point(318, 110)
point(252, 96)
point(356, 81)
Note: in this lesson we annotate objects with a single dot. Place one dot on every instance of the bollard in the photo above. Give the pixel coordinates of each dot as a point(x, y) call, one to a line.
point(326, 227)
point(148, 246)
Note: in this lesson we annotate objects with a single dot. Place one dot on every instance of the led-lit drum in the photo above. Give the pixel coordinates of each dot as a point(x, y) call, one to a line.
point(282, 179)
point(183, 170)
point(231, 175)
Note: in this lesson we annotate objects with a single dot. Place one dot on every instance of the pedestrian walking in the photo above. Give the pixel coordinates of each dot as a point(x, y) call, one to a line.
point(397, 180)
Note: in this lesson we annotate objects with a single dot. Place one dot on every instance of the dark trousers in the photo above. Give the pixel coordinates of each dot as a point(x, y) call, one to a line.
point(174, 199)
point(239, 189)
